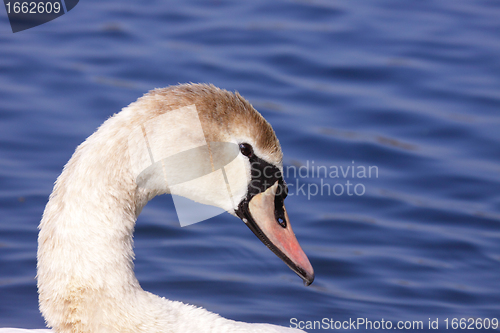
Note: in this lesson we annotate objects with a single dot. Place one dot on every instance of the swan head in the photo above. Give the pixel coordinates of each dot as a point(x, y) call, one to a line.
point(211, 146)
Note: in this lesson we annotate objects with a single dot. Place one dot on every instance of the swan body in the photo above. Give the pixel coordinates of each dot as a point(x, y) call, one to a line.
point(85, 272)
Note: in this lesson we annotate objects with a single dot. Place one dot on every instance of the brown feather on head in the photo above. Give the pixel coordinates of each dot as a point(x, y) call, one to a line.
point(223, 115)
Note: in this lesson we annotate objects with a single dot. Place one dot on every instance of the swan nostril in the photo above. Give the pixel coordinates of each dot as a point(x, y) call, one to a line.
point(279, 211)
point(281, 221)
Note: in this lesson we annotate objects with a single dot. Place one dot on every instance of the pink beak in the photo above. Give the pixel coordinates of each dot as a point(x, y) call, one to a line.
point(277, 234)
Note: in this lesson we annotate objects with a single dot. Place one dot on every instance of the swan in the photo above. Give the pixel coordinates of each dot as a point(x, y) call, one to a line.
point(85, 255)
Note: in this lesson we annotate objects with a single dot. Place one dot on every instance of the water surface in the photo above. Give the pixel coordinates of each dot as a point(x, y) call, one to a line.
point(410, 88)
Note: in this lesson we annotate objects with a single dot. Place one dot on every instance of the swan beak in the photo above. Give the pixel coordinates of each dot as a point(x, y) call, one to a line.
point(266, 216)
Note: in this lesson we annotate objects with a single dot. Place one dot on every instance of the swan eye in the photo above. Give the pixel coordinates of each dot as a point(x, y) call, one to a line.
point(246, 149)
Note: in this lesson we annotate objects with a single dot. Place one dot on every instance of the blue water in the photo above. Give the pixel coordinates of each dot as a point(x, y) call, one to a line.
point(411, 89)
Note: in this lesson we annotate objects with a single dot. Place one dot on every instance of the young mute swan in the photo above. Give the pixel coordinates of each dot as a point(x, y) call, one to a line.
point(85, 274)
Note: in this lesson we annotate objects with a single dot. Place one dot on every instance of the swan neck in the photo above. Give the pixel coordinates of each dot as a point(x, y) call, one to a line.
point(85, 254)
